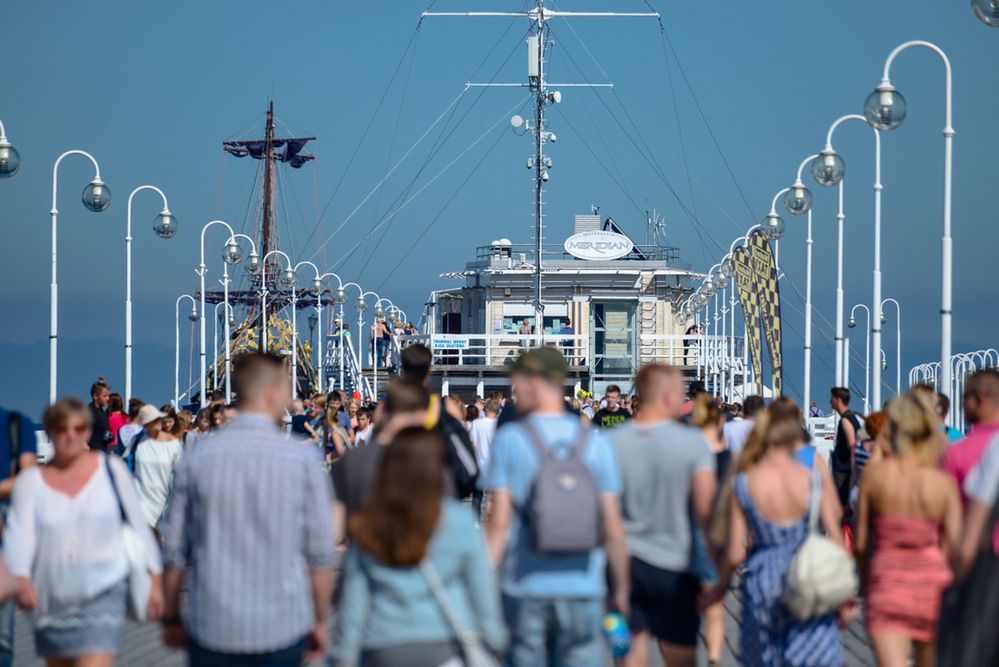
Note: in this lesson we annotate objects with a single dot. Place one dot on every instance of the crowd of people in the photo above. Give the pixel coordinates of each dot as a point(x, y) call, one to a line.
point(504, 530)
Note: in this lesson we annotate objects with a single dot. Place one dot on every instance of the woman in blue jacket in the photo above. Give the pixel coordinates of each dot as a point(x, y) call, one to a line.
point(388, 612)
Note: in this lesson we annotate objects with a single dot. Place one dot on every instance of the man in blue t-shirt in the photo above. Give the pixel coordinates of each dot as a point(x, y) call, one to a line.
point(23, 432)
point(553, 604)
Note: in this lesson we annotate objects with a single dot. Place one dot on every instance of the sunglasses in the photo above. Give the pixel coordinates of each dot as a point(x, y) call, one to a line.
point(79, 429)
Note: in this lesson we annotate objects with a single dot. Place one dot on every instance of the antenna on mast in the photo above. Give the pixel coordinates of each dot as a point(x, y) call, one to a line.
point(539, 16)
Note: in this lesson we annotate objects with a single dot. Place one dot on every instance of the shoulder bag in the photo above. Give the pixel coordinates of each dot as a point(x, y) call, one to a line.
point(473, 652)
point(822, 576)
point(139, 579)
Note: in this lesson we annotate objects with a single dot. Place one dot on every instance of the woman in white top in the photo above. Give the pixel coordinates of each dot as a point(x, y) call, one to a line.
point(64, 541)
point(156, 455)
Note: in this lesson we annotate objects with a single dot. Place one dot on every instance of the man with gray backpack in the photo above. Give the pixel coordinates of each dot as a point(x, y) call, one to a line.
point(555, 523)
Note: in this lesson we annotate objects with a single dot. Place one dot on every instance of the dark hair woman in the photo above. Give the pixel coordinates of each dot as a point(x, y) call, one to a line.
point(408, 534)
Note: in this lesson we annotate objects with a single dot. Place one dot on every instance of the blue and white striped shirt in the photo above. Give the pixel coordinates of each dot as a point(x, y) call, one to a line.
point(251, 514)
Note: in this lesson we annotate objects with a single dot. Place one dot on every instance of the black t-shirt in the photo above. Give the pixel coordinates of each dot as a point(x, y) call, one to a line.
point(607, 419)
point(354, 473)
point(841, 455)
point(298, 423)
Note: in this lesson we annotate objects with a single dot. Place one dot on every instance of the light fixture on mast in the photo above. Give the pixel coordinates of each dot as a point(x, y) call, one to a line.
point(539, 16)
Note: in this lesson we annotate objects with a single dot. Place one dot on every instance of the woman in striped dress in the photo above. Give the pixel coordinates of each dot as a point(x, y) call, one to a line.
point(769, 512)
point(911, 511)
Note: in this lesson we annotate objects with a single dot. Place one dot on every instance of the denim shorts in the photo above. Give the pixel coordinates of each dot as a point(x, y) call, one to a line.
point(557, 631)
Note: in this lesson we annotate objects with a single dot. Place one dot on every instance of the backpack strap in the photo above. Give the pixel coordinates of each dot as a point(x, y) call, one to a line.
point(575, 453)
point(14, 440)
point(536, 441)
point(814, 500)
point(114, 487)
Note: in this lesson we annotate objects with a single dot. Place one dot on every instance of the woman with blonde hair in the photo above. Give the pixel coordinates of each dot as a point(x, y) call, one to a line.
point(769, 506)
point(913, 510)
point(65, 542)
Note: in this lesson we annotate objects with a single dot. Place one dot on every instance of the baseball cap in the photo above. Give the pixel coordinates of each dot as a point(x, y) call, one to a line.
point(547, 362)
point(149, 413)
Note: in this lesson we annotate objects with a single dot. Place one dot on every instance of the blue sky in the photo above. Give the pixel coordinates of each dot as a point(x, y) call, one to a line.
point(152, 89)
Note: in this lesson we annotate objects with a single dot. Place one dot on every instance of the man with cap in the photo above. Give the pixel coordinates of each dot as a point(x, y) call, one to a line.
point(553, 602)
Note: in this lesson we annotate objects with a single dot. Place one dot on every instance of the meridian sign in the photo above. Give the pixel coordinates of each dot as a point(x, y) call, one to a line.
point(596, 245)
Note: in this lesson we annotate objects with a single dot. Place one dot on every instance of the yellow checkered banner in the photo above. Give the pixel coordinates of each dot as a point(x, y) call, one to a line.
point(765, 268)
point(745, 282)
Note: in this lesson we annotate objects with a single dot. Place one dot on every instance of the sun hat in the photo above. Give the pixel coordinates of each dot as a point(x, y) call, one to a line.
point(149, 413)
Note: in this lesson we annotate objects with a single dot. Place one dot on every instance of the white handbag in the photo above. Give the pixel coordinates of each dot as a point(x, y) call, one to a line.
point(139, 580)
point(472, 650)
point(822, 575)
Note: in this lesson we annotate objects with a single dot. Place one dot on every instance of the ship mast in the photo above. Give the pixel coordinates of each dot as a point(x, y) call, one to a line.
point(268, 233)
point(539, 16)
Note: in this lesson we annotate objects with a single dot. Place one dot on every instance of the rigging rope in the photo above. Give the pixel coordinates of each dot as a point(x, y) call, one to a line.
point(502, 119)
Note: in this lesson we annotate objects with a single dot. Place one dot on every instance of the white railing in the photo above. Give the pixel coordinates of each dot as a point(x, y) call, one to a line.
point(496, 349)
point(962, 365)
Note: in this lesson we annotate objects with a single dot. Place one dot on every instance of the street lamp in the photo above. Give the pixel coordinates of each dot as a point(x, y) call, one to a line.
point(338, 298)
point(798, 200)
point(215, 338)
point(96, 198)
point(867, 353)
point(828, 169)
point(290, 280)
point(176, 354)
point(898, 341)
point(263, 293)
point(10, 159)
point(231, 254)
point(165, 226)
point(987, 12)
point(341, 295)
point(885, 110)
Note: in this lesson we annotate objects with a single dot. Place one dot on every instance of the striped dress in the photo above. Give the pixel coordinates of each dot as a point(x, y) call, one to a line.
point(771, 636)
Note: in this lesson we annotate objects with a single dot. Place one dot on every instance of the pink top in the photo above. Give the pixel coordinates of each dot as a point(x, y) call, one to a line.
point(115, 422)
point(963, 456)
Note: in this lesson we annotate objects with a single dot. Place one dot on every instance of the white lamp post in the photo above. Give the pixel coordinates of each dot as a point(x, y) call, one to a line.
point(359, 306)
point(263, 293)
point(232, 254)
point(96, 197)
point(10, 159)
point(898, 341)
point(215, 339)
point(885, 110)
point(798, 200)
point(867, 354)
point(165, 226)
point(318, 290)
point(379, 311)
point(828, 169)
point(176, 354)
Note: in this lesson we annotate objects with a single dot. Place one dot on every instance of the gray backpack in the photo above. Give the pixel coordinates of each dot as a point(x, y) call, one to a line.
point(563, 511)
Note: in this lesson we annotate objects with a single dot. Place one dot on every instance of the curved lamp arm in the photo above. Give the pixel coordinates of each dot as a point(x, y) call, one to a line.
point(55, 171)
point(232, 237)
point(773, 204)
point(885, 80)
point(801, 168)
